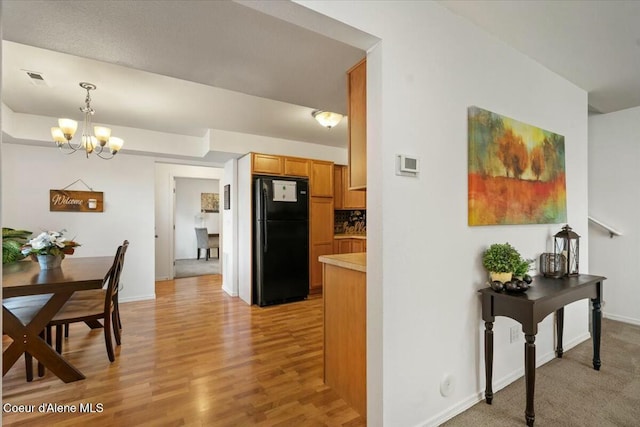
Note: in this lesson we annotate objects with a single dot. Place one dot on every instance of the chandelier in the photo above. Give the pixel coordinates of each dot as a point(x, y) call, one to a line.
point(97, 143)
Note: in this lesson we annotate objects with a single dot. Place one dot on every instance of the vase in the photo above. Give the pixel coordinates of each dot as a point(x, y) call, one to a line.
point(48, 262)
point(500, 277)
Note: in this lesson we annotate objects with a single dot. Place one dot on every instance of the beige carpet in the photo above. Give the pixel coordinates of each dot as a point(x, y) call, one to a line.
point(569, 392)
point(196, 267)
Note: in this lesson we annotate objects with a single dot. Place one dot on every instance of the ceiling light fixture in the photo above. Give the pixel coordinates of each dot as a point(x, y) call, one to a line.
point(89, 143)
point(327, 118)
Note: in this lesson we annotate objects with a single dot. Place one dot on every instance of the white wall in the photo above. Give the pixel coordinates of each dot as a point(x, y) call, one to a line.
point(230, 226)
point(424, 261)
point(127, 183)
point(188, 215)
point(165, 174)
point(614, 155)
point(245, 227)
point(234, 142)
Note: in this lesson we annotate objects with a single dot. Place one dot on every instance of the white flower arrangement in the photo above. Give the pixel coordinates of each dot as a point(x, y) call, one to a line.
point(50, 243)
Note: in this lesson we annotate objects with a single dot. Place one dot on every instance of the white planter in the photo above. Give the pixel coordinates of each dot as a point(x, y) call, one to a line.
point(500, 277)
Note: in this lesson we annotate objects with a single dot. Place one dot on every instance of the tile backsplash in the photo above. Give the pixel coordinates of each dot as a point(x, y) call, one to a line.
point(350, 222)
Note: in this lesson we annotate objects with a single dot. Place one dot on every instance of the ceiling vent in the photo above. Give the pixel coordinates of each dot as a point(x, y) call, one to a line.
point(36, 78)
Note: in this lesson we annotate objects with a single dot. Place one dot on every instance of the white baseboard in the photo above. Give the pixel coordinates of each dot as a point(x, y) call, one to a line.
point(228, 291)
point(623, 319)
point(456, 409)
point(499, 384)
point(138, 298)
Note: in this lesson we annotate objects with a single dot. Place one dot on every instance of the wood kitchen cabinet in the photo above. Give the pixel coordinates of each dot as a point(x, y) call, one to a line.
point(338, 187)
point(320, 238)
point(321, 178)
point(343, 197)
point(348, 246)
point(267, 164)
point(294, 166)
point(357, 110)
point(358, 245)
point(345, 328)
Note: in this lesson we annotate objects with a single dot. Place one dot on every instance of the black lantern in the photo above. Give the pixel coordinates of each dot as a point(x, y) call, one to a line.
point(567, 244)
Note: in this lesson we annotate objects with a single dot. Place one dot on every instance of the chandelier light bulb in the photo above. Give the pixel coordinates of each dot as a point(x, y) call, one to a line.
point(102, 134)
point(68, 127)
point(58, 135)
point(115, 144)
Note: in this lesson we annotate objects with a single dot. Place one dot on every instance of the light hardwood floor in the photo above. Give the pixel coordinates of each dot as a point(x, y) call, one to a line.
point(195, 356)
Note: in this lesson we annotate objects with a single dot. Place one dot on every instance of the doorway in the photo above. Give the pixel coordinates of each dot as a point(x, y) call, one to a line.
point(196, 205)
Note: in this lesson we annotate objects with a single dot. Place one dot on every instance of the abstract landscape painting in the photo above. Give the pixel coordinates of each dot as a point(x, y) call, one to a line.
point(516, 172)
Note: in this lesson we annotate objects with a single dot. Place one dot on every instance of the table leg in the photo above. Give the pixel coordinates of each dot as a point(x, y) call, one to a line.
point(559, 330)
point(597, 326)
point(530, 376)
point(488, 361)
point(26, 338)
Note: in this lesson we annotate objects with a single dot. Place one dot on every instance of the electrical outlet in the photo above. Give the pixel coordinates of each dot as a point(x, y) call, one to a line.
point(515, 334)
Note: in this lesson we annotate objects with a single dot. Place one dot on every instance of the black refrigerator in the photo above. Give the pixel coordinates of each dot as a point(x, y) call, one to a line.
point(281, 240)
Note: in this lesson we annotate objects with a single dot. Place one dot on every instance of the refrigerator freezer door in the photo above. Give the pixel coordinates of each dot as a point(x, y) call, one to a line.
point(274, 199)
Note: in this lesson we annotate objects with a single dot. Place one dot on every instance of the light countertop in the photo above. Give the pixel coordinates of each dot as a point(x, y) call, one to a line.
point(350, 236)
point(354, 261)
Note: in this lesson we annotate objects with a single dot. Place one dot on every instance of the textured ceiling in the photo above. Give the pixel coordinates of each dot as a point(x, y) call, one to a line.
point(176, 66)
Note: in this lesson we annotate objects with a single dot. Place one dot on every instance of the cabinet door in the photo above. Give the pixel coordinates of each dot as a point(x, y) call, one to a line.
point(344, 246)
point(321, 178)
point(352, 199)
point(320, 237)
point(266, 163)
point(296, 167)
point(338, 186)
point(315, 285)
point(357, 103)
point(357, 245)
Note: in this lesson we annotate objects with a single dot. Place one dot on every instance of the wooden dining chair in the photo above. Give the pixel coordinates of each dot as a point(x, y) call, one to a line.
point(91, 306)
point(91, 294)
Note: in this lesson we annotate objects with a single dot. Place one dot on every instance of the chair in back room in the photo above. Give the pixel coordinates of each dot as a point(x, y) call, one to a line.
point(207, 242)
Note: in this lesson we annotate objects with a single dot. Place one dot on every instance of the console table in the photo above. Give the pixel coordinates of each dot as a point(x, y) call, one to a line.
point(545, 296)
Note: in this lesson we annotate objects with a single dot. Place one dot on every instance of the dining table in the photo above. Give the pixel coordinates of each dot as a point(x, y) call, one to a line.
point(26, 278)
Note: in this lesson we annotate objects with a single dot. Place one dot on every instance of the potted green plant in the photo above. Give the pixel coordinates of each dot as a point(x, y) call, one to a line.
point(522, 269)
point(501, 260)
point(12, 241)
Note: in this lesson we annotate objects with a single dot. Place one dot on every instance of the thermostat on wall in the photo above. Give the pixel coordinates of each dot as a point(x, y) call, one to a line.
point(407, 165)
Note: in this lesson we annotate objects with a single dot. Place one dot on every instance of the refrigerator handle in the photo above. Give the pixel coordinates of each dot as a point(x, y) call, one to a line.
point(264, 220)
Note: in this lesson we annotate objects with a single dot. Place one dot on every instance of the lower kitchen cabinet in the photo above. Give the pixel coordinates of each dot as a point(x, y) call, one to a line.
point(320, 238)
point(317, 251)
point(347, 246)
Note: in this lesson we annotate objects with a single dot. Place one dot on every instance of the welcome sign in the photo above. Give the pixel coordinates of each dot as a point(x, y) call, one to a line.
point(75, 201)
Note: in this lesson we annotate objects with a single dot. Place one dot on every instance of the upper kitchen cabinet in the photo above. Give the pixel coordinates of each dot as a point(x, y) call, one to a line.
point(343, 198)
point(321, 178)
point(294, 166)
point(266, 164)
point(357, 104)
point(269, 164)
